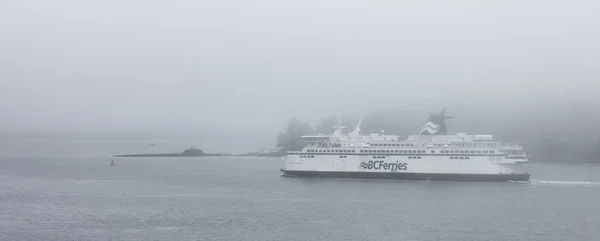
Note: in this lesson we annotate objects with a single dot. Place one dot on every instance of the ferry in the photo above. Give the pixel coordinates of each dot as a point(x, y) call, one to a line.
point(430, 155)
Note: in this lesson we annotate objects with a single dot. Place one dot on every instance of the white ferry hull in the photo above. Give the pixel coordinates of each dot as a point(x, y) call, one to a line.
point(400, 167)
point(412, 176)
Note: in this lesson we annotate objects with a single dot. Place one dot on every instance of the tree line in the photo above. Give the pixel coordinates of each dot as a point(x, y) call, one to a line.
point(550, 137)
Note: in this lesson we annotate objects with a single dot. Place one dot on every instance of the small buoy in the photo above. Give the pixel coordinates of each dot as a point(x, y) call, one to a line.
point(112, 162)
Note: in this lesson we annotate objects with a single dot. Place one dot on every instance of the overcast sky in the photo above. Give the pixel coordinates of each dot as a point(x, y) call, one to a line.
point(251, 65)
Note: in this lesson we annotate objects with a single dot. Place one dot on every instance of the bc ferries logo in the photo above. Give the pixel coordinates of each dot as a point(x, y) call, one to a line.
point(382, 165)
point(435, 124)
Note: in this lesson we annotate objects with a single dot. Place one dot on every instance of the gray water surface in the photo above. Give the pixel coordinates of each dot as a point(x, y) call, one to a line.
point(73, 194)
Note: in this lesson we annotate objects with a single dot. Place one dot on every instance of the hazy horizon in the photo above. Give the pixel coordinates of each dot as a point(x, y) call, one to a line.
point(248, 67)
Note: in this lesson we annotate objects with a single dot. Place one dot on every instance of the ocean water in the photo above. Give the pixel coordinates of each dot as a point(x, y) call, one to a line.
point(66, 190)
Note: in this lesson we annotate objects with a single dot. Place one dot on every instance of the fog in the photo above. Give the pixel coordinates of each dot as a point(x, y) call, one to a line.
point(249, 66)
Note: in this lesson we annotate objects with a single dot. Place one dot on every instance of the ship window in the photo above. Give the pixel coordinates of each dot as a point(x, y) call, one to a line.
point(478, 152)
point(452, 151)
point(410, 157)
point(491, 152)
point(418, 157)
point(432, 151)
point(396, 151)
point(462, 158)
point(451, 157)
point(473, 152)
point(461, 152)
point(467, 157)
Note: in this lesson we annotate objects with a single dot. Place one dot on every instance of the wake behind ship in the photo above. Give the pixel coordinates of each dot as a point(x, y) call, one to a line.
point(431, 155)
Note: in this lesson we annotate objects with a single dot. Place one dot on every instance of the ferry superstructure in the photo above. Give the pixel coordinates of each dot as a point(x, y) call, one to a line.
point(431, 155)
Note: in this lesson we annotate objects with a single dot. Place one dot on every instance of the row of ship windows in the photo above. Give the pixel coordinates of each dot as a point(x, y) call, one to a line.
point(410, 157)
point(468, 151)
point(394, 151)
point(392, 144)
point(407, 151)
